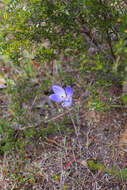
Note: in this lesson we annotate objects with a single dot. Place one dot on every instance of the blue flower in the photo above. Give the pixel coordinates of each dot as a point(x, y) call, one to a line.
point(61, 95)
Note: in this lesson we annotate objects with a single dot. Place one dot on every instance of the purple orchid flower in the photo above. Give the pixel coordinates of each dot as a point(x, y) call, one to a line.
point(61, 95)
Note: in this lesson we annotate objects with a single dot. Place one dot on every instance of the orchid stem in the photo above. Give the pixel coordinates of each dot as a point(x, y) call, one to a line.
point(73, 122)
point(77, 128)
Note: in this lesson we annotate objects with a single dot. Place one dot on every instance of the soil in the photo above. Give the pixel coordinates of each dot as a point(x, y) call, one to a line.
point(91, 156)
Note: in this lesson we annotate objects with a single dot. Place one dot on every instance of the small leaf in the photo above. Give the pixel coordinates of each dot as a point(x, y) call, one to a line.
point(56, 177)
point(124, 174)
point(92, 165)
point(124, 98)
point(100, 167)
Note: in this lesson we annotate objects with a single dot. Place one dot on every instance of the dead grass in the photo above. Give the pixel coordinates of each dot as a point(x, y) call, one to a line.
point(60, 160)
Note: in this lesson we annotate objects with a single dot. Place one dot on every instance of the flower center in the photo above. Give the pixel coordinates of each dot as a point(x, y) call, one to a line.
point(64, 97)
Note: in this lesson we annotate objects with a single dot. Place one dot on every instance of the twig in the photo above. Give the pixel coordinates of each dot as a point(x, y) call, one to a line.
point(33, 101)
point(86, 31)
point(87, 139)
point(118, 106)
point(72, 160)
point(110, 45)
point(57, 116)
point(64, 113)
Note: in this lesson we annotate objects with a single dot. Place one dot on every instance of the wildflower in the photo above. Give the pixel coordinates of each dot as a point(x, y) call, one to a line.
point(61, 95)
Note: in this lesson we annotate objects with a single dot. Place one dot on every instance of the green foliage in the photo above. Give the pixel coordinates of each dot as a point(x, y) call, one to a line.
point(68, 26)
point(124, 98)
point(94, 165)
point(7, 135)
point(122, 174)
point(71, 28)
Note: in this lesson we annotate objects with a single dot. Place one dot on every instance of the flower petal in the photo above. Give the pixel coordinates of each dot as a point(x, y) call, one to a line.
point(59, 90)
point(69, 91)
point(56, 98)
point(67, 102)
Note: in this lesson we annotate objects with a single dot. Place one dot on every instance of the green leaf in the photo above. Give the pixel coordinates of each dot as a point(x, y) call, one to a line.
point(124, 98)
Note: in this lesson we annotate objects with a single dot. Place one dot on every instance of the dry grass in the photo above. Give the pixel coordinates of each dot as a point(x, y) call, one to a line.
point(61, 159)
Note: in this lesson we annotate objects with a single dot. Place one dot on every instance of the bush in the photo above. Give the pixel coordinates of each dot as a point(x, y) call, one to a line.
point(86, 35)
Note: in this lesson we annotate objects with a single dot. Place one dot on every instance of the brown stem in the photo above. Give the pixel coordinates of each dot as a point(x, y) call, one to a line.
point(86, 31)
point(107, 32)
point(110, 45)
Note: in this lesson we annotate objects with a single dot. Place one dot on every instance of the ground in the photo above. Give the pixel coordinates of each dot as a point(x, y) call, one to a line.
point(85, 150)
